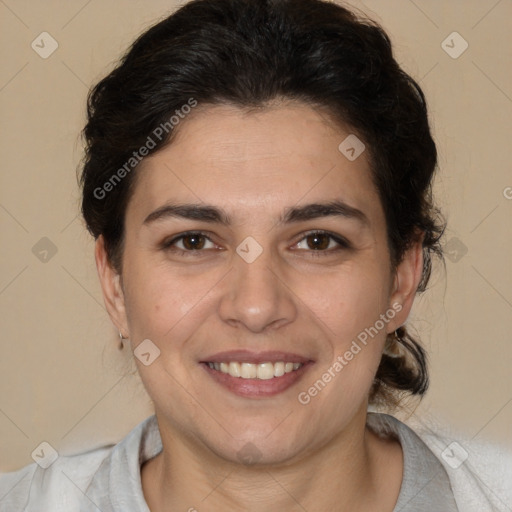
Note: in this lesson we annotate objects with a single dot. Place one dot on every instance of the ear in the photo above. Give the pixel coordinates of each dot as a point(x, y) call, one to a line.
point(406, 280)
point(111, 286)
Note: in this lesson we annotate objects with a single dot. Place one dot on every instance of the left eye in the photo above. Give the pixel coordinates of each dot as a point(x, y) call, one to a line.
point(319, 241)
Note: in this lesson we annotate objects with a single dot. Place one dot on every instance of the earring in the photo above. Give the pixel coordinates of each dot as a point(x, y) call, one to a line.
point(121, 338)
point(391, 347)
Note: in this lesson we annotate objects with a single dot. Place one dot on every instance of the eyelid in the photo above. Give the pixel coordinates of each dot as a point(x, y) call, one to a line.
point(342, 242)
point(169, 242)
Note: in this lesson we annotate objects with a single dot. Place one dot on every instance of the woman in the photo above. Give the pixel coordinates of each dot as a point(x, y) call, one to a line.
point(258, 180)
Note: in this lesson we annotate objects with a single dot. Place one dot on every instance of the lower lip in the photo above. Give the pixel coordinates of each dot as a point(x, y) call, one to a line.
point(257, 388)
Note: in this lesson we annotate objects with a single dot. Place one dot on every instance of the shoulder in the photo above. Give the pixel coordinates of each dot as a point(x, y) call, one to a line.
point(476, 474)
point(91, 480)
point(57, 488)
point(480, 472)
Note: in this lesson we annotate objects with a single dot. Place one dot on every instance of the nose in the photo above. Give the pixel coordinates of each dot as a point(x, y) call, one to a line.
point(257, 296)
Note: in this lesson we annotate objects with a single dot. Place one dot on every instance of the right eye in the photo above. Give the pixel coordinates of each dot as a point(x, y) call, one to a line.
point(190, 242)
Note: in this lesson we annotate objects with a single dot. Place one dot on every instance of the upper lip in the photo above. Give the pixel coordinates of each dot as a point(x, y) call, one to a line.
point(247, 356)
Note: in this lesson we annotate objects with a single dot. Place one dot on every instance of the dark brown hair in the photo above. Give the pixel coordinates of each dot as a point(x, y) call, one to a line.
point(249, 53)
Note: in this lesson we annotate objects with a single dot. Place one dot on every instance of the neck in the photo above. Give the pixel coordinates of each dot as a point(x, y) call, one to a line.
point(355, 471)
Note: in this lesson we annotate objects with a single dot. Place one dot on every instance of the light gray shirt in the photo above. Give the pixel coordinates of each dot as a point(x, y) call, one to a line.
point(425, 483)
point(108, 479)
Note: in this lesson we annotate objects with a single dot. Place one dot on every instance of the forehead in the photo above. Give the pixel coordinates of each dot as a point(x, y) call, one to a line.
point(233, 158)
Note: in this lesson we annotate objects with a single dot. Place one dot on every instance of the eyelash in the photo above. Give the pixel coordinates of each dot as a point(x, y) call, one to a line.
point(343, 244)
point(168, 245)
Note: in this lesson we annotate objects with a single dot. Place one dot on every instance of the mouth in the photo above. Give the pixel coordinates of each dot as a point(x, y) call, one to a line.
point(252, 375)
point(262, 371)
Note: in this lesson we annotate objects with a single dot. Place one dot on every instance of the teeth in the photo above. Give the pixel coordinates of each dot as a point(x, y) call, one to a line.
point(278, 369)
point(249, 371)
point(263, 371)
point(234, 369)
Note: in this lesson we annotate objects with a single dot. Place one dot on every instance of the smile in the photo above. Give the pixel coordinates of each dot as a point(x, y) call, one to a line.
point(262, 371)
point(256, 375)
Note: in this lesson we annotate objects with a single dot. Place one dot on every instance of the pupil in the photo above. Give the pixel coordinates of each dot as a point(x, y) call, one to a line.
point(318, 241)
point(193, 242)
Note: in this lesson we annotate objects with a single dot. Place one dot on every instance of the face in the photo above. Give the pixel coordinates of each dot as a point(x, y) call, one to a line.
point(251, 239)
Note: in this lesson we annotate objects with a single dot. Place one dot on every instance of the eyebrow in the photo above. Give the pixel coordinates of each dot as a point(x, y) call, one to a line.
point(336, 208)
point(189, 211)
point(212, 214)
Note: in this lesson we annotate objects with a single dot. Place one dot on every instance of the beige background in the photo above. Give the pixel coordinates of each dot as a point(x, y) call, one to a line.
point(62, 379)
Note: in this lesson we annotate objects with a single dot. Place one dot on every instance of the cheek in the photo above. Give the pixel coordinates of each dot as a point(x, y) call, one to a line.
point(163, 304)
point(349, 305)
point(346, 302)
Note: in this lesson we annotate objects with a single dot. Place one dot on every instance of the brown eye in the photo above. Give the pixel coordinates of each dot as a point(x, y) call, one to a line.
point(322, 242)
point(194, 242)
point(318, 241)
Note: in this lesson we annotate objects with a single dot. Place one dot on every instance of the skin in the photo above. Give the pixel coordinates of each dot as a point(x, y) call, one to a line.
point(255, 166)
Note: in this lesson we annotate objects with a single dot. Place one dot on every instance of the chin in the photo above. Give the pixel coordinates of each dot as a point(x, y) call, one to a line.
point(257, 454)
